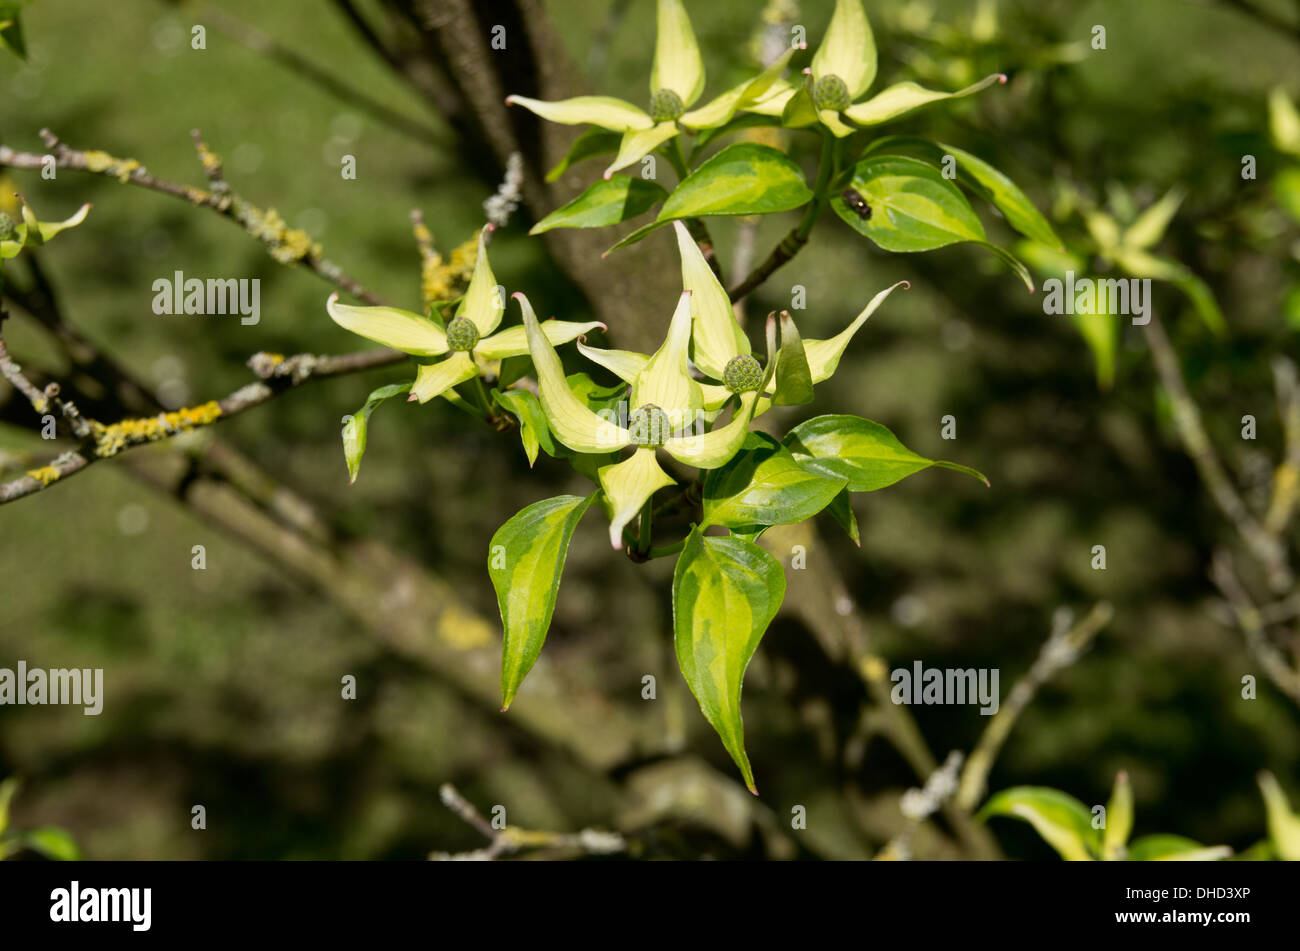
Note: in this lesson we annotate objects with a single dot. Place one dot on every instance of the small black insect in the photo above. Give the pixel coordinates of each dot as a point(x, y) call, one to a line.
point(857, 203)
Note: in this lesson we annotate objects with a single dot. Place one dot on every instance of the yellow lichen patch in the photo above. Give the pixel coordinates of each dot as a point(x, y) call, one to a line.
point(462, 630)
point(209, 159)
point(441, 281)
point(286, 245)
point(44, 475)
point(112, 439)
point(105, 164)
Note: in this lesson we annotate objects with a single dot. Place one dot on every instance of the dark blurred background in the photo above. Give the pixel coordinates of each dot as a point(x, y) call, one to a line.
point(222, 685)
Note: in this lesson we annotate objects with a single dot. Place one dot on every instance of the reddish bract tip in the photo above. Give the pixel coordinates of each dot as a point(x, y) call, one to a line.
point(1002, 78)
point(333, 297)
point(412, 398)
point(907, 285)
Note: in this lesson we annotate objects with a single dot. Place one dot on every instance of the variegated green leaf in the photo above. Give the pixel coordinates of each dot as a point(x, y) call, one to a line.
point(765, 485)
point(1064, 823)
point(725, 593)
point(1283, 824)
point(607, 202)
point(1119, 819)
point(533, 431)
point(356, 425)
point(1175, 848)
point(794, 382)
point(589, 144)
point(867, 454)
point(525, 561)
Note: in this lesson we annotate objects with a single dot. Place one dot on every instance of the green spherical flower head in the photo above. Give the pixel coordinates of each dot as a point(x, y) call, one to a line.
point(8, 230)
point(666, 105)
point(831, 93)
point(650, 426)
point(462, 334)
point(742, 374)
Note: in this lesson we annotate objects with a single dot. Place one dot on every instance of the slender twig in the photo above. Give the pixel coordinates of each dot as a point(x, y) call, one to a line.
point(1253, 627)
point(510, 839)
point(105, 441)
point(1187, 419)
point(1062, 648)
point(285, 245)
point(259, 42)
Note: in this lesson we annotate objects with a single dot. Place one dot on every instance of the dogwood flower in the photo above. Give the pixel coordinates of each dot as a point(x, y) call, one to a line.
point(842, 70)
point(666, 402)
point(676, 83)
point(465, 341)
point(719, 346)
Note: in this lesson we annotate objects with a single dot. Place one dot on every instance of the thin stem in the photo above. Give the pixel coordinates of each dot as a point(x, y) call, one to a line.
point(793, 243)
point(647, 527)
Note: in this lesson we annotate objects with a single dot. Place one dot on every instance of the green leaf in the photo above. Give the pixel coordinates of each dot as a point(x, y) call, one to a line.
point(1064, 823)
point(867, 454)
point(525, 560)
point(794, 381)
point(533, 430)
point(725, 593)
point(592, 142)
point(742, 179)
point(1139, 263)
point(11, 29)
point(8, 789)
point(1283, 121)
point(1119, 819)
point(1149, 227)
point(841, 509)
point(52, 842)
point(990, 184)
point(765, 485)
point(1174, 848)
point(1283, 824)
point(914, 208)
point(356, 425)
